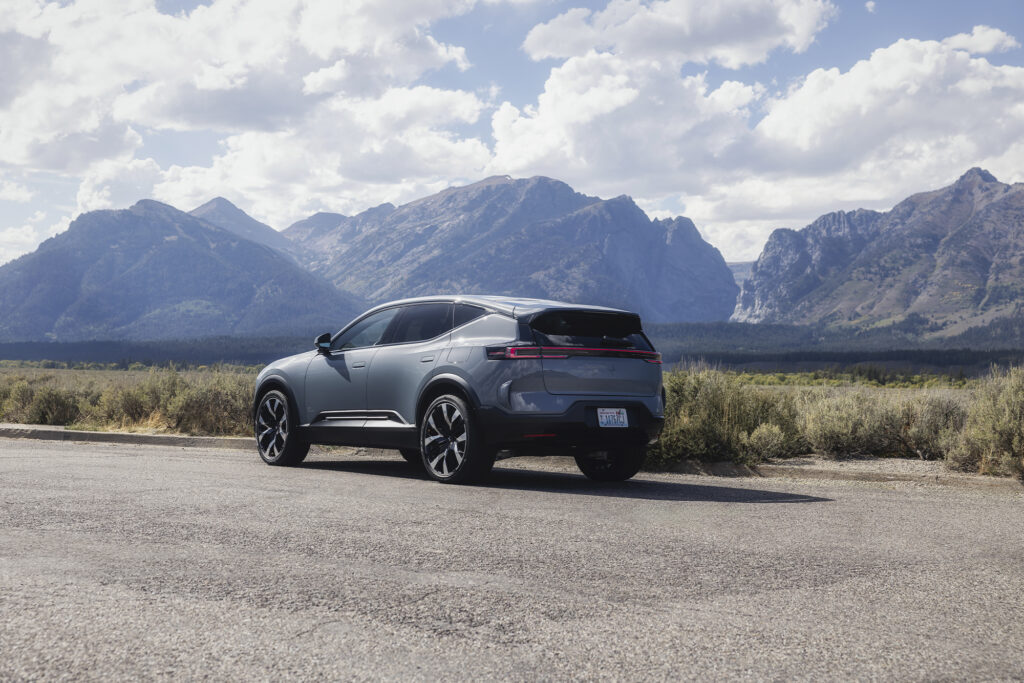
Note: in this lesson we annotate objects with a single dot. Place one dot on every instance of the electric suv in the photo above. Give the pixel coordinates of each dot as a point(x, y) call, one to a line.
point(453, 382)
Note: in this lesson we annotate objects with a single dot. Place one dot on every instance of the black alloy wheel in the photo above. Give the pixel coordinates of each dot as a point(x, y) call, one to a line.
point(452, 448)
point(276, 437)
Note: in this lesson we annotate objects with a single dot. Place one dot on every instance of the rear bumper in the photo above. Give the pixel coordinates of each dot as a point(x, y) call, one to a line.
point(577, 427)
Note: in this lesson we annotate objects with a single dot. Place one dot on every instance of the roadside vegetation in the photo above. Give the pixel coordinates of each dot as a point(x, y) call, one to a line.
point(210, 400)
point(974, 425)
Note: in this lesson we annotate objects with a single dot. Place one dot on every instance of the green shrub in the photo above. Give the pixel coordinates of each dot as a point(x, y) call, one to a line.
point(992, 438)
point(926, 423)
point(15, 405)
point(218, 406)
point(766, 441)
point(710, 415)
point(53, 407)
point(851, 422)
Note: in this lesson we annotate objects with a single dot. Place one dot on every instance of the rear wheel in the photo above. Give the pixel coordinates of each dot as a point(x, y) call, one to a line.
point(452, 448)
point(276, 438)
point(617, 464)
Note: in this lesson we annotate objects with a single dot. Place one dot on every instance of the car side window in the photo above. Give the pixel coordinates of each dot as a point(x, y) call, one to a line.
point(420, 322)
point(465, 312)
point(366, 332)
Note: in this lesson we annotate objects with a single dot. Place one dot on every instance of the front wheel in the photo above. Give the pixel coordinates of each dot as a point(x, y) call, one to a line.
point(452, 447)
point(618, 464)
point(276, 437)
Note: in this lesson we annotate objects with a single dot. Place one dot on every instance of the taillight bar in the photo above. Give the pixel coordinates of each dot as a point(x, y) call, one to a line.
point(553, 352)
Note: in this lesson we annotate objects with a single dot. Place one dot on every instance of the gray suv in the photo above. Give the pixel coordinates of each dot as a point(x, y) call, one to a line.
point(454, 381)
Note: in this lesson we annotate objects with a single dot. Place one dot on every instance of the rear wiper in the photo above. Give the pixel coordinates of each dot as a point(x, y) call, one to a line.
point(616, 342)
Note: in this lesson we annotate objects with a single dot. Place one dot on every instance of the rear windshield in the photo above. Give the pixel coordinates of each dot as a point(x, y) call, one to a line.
point(591, 330)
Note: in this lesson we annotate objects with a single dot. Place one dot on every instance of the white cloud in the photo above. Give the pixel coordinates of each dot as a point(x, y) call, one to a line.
point(11, 191)
point(893, 124)
point(116, 183)
point(870, 6)
point(730, 32)
point(982, 40)
point(20, 240)
point(81, 78)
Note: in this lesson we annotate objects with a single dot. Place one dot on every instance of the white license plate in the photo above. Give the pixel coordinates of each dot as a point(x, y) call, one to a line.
point(612, 417)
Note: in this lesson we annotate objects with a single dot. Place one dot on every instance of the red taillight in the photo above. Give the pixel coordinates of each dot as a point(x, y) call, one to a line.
point(553, 352)
point(514, 352)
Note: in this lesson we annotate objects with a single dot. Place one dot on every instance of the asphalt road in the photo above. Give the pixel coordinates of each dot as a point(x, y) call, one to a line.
point(130, 562)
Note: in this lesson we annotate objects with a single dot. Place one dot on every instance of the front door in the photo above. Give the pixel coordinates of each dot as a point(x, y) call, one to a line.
point(336, 381)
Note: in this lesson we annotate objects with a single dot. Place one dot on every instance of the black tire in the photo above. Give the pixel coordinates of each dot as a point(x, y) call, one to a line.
point(615, 465)
point(452, 447)
point(413, 457)
point(275, 427)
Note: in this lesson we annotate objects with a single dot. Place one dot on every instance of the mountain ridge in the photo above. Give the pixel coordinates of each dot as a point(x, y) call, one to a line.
point(154, 272)
point(525, 237)
point(952, 258)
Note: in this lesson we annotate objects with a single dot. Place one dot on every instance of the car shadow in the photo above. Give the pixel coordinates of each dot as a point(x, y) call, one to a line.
point(544, 481)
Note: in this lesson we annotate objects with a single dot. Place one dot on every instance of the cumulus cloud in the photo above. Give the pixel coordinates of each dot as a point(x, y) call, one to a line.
point(741, 161)
point(870, 6)
point(20, 240)
point(115, 183)
point(80, 80)
point(11, 191)
point(322, 105)
point(730, 32)
point(982, 40)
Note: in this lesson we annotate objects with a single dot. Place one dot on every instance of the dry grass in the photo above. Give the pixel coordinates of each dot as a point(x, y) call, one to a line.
point(719, 415)
point(212, 401)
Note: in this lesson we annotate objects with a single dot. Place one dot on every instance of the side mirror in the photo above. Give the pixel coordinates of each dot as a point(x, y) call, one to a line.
point(323, 343)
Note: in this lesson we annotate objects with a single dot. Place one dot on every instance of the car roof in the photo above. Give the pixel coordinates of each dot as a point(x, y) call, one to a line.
point(517, 307)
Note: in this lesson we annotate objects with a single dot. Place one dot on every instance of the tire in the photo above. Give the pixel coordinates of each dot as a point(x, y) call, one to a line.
point(615, 465)
point(452, 447)
point(274, 426)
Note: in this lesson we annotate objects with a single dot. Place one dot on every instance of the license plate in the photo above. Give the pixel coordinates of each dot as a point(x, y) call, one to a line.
point(612, 417)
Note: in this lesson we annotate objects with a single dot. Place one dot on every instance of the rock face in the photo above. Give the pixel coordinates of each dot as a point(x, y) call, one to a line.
point(153, 272)
point(531, 237)
point(952, 258)
point(224, 214)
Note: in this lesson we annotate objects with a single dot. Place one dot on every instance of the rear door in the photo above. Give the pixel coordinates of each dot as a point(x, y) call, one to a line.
point(588, 352)
point(410, 351)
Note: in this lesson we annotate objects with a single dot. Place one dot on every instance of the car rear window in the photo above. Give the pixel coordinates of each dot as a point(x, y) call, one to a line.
point(590, 330)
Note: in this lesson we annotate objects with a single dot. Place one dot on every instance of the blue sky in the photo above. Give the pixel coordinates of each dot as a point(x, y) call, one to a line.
point(745, 115)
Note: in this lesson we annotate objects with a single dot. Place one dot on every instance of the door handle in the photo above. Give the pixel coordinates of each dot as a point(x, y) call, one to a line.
point(359, 364)
point(426, 359)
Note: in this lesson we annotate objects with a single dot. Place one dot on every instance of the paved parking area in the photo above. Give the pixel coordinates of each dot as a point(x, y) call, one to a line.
point(143, 561)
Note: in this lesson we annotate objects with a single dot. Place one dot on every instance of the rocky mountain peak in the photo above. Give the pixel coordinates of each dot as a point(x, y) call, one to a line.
point(975, 176)
point(953, 257)
point(528, 237)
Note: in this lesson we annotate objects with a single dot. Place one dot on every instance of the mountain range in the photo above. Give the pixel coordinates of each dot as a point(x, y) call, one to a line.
point(947, 260)
point(533, 237)
point(154, 272)
point(944, 264)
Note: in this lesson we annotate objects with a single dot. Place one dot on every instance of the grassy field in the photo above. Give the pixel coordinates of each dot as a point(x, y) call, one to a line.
point(975, 425)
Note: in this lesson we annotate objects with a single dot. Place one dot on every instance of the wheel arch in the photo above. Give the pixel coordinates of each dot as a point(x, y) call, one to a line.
point(445, 384)
point(270, 383)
